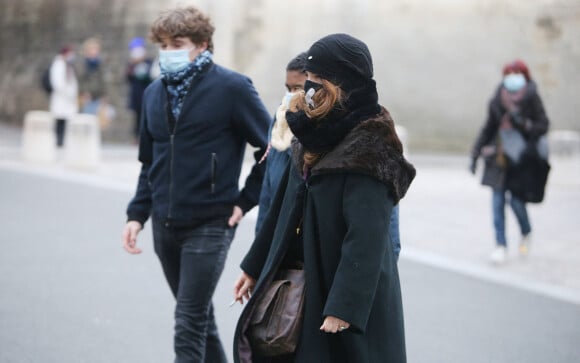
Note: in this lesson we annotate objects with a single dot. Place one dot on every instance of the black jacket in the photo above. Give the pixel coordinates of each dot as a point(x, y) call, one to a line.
point(191, 174)
point(350, 267)
point(531, 108)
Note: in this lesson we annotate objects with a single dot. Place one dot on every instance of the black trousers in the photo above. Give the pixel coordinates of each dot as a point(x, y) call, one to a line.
point(193, 260)
point(59, 129)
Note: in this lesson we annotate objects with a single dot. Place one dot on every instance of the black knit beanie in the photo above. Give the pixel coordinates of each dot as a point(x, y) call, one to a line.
point(341, 59)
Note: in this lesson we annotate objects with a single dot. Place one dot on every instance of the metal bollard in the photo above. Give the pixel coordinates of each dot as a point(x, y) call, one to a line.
point(38, 137)
point(83, 141)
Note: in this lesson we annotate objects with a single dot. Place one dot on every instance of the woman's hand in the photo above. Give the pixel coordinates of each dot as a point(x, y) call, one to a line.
point(243, 287)
point(333, 325)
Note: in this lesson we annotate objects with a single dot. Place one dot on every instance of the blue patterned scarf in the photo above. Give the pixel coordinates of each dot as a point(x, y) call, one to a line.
point(179, 83)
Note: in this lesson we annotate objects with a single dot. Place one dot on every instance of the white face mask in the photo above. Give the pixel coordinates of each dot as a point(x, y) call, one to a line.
point(287, 98)
point(174, 60)
point(514, 82)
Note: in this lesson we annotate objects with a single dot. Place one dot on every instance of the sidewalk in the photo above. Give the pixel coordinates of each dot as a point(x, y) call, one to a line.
point(446, 221)
point(445, 217)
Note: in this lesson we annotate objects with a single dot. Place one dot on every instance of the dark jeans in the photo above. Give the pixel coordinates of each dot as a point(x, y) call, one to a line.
point(137, 124)
point(193, 260)
point(59, 129)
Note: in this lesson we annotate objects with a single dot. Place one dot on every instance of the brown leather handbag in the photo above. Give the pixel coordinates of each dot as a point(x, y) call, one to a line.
point(276, 320)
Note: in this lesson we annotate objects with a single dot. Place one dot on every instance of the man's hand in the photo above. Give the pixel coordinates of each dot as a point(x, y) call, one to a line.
point(236, 216)
point(129, 237)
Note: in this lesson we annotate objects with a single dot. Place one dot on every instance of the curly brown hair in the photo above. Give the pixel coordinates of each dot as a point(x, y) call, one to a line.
point(325, 100)
point(187, 22)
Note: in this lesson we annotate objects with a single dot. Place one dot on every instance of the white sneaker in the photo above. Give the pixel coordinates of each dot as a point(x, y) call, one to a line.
point(499, 255)
point(524, 247)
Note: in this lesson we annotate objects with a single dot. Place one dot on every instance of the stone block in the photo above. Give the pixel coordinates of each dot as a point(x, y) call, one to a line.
point(83, 142)
point(564, 142)
point(38, 137)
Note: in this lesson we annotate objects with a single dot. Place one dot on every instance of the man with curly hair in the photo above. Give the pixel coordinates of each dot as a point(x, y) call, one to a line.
point(196, 120)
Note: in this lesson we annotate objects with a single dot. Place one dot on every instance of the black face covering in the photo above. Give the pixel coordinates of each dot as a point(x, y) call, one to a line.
point(310, 84)
point(322, 134)
point(311, 88)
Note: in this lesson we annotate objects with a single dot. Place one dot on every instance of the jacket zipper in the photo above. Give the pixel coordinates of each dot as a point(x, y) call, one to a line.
point(171, 127)
point(213, 171)
point(299, 227)
point(169, 214)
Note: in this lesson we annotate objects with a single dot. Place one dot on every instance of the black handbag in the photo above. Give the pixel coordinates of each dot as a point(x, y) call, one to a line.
point(276, 320)
point(527, 180)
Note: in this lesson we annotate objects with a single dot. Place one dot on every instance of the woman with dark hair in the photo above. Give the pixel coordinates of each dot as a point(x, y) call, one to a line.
point(280, 137)
point(516, 118)
point(330, 215)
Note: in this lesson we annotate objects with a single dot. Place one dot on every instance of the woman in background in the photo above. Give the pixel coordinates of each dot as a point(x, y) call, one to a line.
point(517, 109)
point(64, 96)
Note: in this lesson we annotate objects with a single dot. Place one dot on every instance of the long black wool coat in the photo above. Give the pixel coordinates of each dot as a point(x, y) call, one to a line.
point(351, 271)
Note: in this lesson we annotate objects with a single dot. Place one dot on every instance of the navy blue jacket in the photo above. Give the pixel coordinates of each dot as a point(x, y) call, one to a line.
point(191, 174)
point(276, 163)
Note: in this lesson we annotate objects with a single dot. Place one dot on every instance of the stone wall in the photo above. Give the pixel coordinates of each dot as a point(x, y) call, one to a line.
point(32, 31)
point(436, 62)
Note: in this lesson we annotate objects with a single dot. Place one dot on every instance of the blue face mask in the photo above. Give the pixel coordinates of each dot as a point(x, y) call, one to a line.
point(514, 82)
point(171, 61)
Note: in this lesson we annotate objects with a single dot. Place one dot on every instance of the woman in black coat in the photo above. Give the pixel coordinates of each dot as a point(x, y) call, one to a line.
point(331, 214)
point(508, 142)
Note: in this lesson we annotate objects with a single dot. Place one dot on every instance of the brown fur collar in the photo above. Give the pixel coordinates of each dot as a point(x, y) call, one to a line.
point(371, 148)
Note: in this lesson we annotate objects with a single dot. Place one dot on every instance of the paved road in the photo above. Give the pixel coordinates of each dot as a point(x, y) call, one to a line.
point(69, 293)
